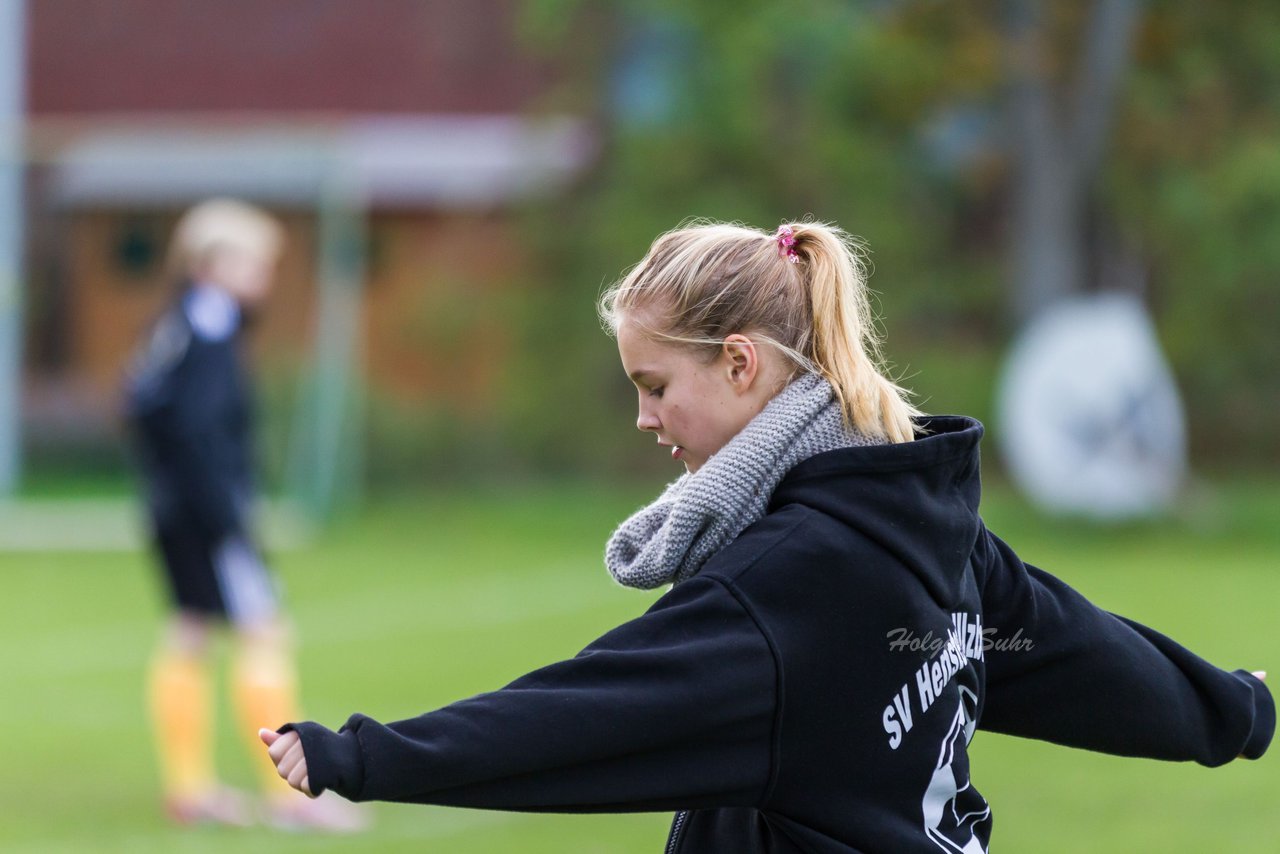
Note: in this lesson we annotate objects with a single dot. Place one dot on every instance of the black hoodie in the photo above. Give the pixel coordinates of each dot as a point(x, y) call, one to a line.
point(190, 407)
point(815, 686)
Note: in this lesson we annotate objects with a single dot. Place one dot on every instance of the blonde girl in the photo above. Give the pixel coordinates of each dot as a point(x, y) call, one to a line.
point(782, 695)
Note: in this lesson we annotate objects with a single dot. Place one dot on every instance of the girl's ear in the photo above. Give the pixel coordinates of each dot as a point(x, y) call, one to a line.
point(741, 360)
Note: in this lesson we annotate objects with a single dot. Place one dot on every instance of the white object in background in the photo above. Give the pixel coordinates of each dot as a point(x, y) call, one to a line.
point(1090, 418)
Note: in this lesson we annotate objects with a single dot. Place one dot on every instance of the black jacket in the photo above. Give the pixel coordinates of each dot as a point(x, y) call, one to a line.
point(189, 406)
point(814, 687)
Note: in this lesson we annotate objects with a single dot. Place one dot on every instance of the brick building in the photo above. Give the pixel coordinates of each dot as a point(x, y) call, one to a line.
point(425, 119)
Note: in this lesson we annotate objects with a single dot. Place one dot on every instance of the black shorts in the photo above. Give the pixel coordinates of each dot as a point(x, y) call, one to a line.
point(224, 578)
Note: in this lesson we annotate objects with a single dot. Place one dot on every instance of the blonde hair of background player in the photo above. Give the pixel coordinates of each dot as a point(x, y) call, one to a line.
point(229, 244)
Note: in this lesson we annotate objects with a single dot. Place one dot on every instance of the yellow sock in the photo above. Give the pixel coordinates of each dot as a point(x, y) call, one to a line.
point(264, 690)
point(182, 722)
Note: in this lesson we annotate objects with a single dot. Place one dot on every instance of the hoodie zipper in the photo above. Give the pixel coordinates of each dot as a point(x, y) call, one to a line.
point(673, 841)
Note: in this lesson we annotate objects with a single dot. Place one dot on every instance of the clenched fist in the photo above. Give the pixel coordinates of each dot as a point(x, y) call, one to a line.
point(286, 752)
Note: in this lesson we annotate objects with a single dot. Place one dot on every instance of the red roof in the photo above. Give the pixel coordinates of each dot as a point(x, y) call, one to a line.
point(384, 56)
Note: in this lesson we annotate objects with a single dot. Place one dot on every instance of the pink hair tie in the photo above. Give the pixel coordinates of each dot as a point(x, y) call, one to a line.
point(787, 244)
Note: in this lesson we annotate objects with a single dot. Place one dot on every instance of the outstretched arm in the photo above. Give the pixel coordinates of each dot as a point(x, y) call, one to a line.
point(672, 710)
point(1095, 680)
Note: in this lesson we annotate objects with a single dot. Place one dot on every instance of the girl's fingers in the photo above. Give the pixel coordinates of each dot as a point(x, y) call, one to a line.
point(281, 746)
point(298, 775)
point(284, 766)
point(295, 755)
point(293, 759)
point(291, 763)
point(1261, 674)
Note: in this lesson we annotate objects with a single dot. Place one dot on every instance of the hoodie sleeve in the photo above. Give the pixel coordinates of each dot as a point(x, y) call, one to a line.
point(1084, 677)
point(672, 710)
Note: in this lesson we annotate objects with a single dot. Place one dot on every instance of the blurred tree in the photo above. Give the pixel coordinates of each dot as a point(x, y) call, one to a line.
point(1058, 143)
point(1195, 179)
point(992, 156)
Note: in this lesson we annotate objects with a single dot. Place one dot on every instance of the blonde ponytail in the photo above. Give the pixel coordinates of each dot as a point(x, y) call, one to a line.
point(845, 347)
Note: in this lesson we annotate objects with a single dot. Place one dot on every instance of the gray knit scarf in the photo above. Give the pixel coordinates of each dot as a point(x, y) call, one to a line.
point(699, 514)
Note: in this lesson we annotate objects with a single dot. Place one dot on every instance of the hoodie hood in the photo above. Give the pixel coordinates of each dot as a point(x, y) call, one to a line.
point(917, 500)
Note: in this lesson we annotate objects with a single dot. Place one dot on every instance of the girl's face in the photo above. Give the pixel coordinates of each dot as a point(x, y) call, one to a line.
point(693, 406)
point(245, 273)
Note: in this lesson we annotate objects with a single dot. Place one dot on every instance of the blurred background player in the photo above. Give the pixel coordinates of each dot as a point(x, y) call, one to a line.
point(191, 416)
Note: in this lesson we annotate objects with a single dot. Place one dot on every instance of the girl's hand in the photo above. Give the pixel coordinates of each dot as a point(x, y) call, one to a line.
point(286, 752)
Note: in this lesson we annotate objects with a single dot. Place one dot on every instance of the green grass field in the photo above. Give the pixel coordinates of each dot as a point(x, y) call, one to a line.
point(419, 601)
